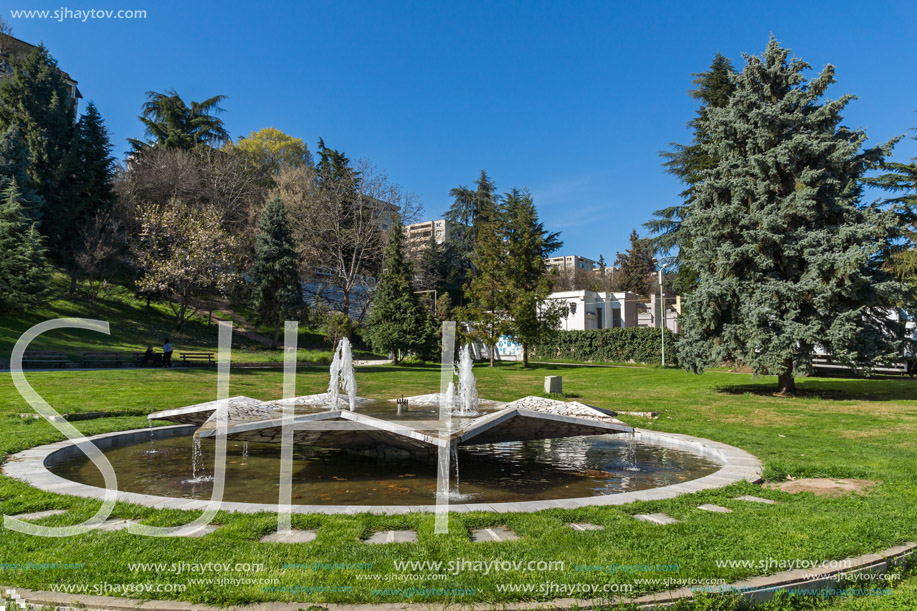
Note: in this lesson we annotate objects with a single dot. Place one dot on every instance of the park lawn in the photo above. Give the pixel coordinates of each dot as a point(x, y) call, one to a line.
point(834, 428)
point(134, 325)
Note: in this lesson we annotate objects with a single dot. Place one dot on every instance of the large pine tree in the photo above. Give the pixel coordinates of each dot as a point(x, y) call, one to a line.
point(785, 252)
point(35, 97)
point(466, 214)
point(528, 280)
point(687, 162)
point(901, 179)
point(14, 165)
point(486, 289)
point(23, 273)
point(276, 288)
point(97, 166)
point(398, 322)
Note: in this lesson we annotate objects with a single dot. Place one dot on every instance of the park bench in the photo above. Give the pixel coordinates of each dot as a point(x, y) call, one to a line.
point(825, 364)
point(189, 358)
point(102, 359)
point(155, 361)
point(44, 358)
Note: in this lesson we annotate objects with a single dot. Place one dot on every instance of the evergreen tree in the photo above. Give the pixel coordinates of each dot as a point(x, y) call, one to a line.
point(14, 165)
point(276, 289)
point(173, 124)
point(486, 289)
point(465, 212)
point(97, 166)
point(687, 163)
point(636, 266)
point(430, 267)
point(786, 255)
point(901, 179)
point(397, 323)
point(35, 97)
point(23, 272)
point(527, 278)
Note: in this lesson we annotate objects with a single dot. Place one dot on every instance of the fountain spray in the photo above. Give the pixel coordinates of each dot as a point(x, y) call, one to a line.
point(467, 387)
point(342, 377)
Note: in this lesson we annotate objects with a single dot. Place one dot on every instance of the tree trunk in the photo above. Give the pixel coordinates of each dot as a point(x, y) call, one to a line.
point(72, 273)
point(276, 333)
point(395, 359)
point(525, 354)
point(786, 383)
point(493, 351)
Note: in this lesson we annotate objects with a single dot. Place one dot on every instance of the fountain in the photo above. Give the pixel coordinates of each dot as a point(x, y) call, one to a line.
point(342, 377)
point(467, 387)
point(532, 449)
point(381, 455)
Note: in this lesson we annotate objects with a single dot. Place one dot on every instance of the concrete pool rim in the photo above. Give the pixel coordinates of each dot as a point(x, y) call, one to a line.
point(32, 467)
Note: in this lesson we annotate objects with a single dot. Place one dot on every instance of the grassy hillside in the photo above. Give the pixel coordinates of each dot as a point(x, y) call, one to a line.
point(134, 325)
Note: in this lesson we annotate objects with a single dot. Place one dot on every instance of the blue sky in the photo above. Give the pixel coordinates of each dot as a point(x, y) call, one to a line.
point(571, 99)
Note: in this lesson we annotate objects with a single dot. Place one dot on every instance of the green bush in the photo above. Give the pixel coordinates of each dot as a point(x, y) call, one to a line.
point(636, 344)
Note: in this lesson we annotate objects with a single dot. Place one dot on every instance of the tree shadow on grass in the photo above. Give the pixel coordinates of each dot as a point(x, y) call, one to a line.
point(831, 390)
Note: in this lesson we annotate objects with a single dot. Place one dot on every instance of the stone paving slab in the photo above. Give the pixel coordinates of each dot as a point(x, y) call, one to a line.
point(115, 525)
point(203, 531)
point(37, 515)
point(290, 536)
point(392, 536)
point(656, 518)
point(585, 526)
point(497, 534)
point(714, 508)
point(755, 499)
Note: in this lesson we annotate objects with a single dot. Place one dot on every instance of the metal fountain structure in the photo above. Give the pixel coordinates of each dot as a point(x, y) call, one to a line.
point(329, 420)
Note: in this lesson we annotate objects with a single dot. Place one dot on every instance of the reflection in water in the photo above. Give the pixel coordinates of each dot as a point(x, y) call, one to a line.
point(517, 471)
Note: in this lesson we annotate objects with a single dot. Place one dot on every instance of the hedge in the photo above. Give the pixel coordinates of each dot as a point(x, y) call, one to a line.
point(618, 345)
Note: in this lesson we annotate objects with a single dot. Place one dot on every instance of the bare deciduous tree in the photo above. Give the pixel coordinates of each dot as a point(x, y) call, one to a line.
point(99, 241)
point(224, 180)
point(6, 32)
point(340, 226)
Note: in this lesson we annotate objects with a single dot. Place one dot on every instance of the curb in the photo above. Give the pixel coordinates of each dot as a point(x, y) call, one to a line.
point(755, 591)
point(31, 466)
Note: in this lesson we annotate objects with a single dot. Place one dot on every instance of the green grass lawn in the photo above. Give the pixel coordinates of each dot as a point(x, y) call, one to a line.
point(834, 428)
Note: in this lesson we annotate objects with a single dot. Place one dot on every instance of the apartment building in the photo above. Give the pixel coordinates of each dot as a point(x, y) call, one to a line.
point(418, 235)
point(570, 264)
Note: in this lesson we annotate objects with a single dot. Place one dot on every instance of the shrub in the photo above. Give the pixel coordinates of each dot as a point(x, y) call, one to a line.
point(618, 345)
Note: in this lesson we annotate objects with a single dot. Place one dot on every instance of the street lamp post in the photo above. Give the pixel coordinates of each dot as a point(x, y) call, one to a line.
point(662, 314)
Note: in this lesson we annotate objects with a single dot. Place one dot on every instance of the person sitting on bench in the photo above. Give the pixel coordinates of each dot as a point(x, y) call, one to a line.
point(149, 357)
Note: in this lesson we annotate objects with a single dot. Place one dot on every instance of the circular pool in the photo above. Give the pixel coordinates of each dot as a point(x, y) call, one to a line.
point(154, 468)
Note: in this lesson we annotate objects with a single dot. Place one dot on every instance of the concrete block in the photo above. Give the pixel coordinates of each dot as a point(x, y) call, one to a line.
point(553, 385)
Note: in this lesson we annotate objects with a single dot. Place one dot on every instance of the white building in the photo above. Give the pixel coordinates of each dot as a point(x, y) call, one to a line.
point(597, 309)
point(647, 314)
point(570, 264)
point(417, 235)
